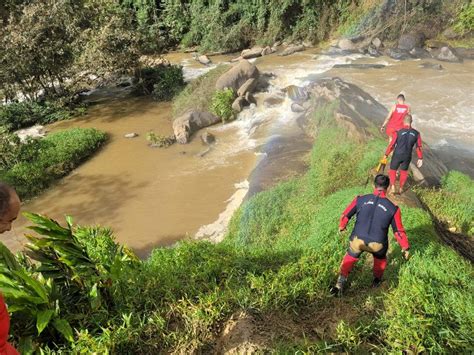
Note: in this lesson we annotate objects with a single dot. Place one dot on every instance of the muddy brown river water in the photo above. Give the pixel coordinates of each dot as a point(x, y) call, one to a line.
point(152, 196)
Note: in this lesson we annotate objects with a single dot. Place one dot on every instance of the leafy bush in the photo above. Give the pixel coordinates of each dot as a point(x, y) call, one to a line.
point(39, 163)
point(465, 21)
point(453, 203)
point(162, 82)
point(25, 114)
point(158, 140)
point(198, 93)
point(221, 104)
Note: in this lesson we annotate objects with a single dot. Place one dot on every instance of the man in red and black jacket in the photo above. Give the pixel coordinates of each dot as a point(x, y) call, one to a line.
point(374, 214)
point(402, 145)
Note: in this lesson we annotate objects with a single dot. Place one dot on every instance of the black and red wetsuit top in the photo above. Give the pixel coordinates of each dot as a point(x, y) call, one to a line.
point(375, 213)
point(403, 142)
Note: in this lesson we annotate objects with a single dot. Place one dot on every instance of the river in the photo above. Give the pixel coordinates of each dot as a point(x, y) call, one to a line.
point(154, 197)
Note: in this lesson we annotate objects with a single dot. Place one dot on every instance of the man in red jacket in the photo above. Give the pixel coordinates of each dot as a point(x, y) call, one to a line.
point(394, 120)
point(375, 213)
point(9, 209)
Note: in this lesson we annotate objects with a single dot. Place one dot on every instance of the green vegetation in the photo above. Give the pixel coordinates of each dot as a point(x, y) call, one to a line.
point(157, 140)
point(465, 20)
point(25, 114)
point(453, 203)
point(162, 82)
point(34, 165)
point(221, 104)
point(198, 94)
point(277, 262)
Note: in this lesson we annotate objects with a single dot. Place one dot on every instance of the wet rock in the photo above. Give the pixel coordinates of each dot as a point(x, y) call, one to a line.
point(411, 40)
point(131, 135)
point(372, 50)
point(267, 50)
point(235, 77)
point(450, 33)
point(346, 44)
point(250, 98)
point(435, 66)
point(208, 138)
point(248, 86)
point(292, 49)
point(376, 42)
point(296, 107)
point(238, 104)
point(398, 54)
point(296, 93)
point(273, 101)
point(360, 66)
point(251, 53)
point(448, 54)
point(190, 122)
point(203, 59)
point(466, 53)
point(420, 53)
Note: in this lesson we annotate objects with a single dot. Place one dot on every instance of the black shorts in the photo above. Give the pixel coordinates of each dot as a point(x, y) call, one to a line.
point(400, 162)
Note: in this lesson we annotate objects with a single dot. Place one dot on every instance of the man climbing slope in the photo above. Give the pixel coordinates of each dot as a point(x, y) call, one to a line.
point(9, 209)
point(402, 144)
point(374, 214)
point(394, 120)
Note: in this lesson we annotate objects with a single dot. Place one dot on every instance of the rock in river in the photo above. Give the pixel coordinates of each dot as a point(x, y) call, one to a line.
point(448, 54)
point(411, 40)
point(131, 135)
point(235, 77)
point(190, 122)
point(208, 138)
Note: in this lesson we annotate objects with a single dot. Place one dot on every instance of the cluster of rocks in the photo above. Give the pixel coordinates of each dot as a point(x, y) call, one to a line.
point(412, 45)
point(243, 79)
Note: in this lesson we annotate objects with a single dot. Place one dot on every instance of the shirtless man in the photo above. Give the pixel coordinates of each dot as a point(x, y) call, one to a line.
point(394, 120)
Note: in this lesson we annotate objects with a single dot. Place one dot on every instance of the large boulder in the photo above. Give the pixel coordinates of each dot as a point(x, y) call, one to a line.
point(346, 44)
point(292, 49)
point(448, 54)
point(251, 53)
point(235, 77)
point(248, 86)
point(203, 59)
point(466, 53)
point(398, 54)
point(412, 40)
point(190, 122)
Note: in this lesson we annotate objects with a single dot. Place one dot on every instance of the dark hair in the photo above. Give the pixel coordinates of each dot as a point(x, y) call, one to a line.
point(408, 119)
point(5, 197)
point(382, 181)
point(401, 96)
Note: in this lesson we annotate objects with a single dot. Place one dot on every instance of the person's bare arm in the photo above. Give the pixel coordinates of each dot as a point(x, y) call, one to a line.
point(387, 119)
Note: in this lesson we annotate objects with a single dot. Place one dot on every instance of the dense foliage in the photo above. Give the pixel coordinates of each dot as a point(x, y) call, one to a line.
point(453, 202)
point(162, 82)
point(277, 262)
point(34, 165)
point(221, 104)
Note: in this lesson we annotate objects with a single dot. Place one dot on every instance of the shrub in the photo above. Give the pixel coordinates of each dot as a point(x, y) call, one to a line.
point(221, 104)
point(25, 114)
point(40, 162)
point(162, 82)
point(198, 93)
point(465, 21)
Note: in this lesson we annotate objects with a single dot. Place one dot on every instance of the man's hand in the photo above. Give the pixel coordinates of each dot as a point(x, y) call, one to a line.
point(419, 163)
point(382, 129)
point(406, 254)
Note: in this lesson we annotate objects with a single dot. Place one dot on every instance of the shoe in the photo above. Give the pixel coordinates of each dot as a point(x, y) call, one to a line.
point(338, 289)
point(377, 282)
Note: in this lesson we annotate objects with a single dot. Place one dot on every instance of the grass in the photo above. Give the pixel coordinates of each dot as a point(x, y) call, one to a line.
point(280, 256)
point(50, 159)
point(453, 202)
point(198, 94)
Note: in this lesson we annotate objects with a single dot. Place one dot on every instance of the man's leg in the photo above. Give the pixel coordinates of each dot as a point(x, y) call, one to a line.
point(379, 267)
point(392, 174)
point(347, 264)
point(403, 179)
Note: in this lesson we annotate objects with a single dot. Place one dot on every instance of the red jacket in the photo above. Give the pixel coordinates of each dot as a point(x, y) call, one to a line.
point(5, 347)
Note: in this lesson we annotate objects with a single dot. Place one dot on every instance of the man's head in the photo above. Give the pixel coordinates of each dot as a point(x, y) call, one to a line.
point(381, 182)
point(407, 121)
point(9, 207)
point(401, 99)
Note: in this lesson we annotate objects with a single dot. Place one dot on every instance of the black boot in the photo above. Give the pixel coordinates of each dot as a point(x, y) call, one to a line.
point(377, 282)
